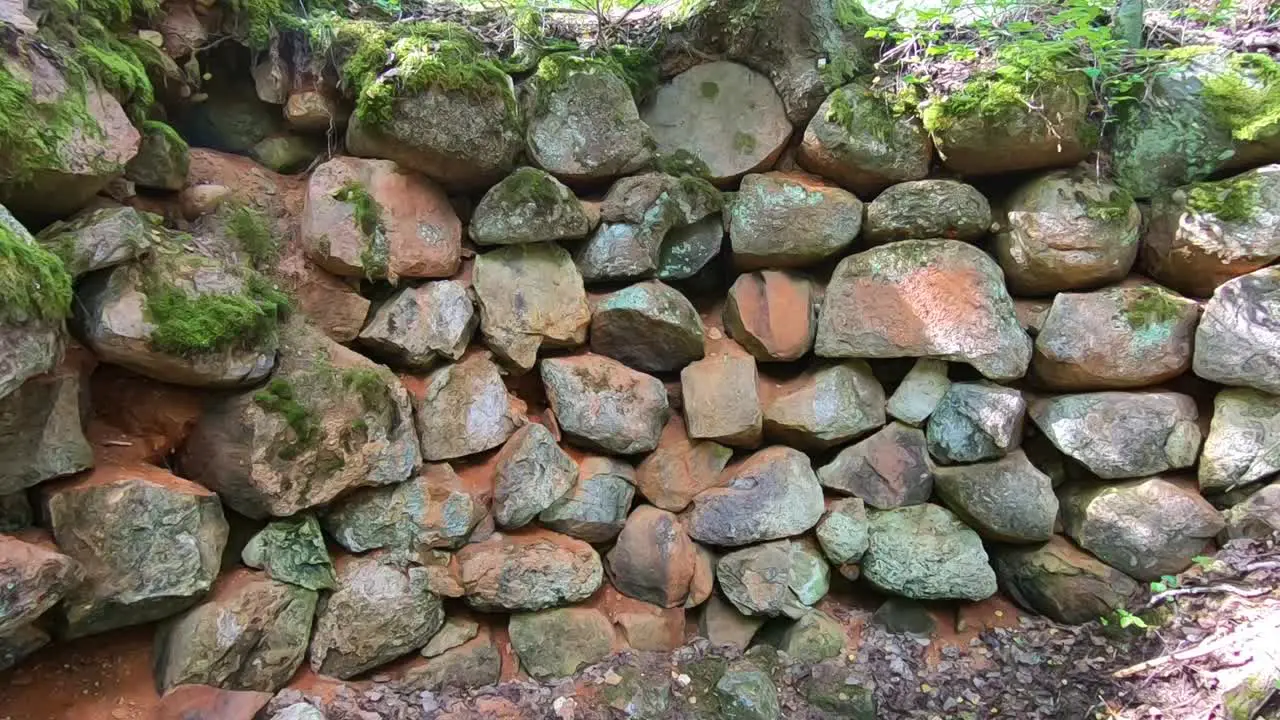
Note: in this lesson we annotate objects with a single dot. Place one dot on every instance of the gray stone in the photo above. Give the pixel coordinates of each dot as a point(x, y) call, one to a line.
point(919, 393)
point(747, 693)
point(420, 326)
point(649, 326)
point(976, 421)
point(900, 616)
point(1243, 445)
point(721, 624)
point(1122, 434)
point(528, 206)
point(1007, 500)
point(531, 569)
point(926, 553)
point(99, 238)
point(602, 404)
point(832, 688)
point(887, 470)
point(834, 404)
point(781, 220)
point(557, 643)
point(299, 711)
point(465, 409)
point(20, 644)
point(291, 550)
point(29, 349)
point(377, 613)
point(1144, 528)
point(1060, 581)
point(531, 473)
point(33, 579)
point(40, 429)
point(687, 249)
point(1257, 516)
point(162, 161)
point(473, 664)
point(531, 296)
point(885, 302)
point(843, 531)
point(1238, 339)
point(927, 209)
point(721, 400)
point(456, 631)
point(815, 637)
point(783, 578)
point(772, 494)
point(596, 507)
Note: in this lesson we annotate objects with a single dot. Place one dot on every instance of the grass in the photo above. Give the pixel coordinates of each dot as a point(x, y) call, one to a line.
point(367, 214)
point(279, 397)
point(34, 283)
point(188, 324)
point(1228, 200)
point(370, 385)
point(1151, 306)
point(251, 230)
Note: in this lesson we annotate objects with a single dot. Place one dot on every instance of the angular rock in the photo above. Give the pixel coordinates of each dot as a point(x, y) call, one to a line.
point(291, 550)
point(815, 637)
point(1243, 445)
point(30, 348)
point(201, 702)
point(420, 326)
point(20, 644)
point(722, 624)
point(1060, 581)
point(331, 304)
point(528, 206)
point(1066, 231)
point(747, 694)
point(1008, 500)
point(150, 544)
point(680, 468)
point(890, 469)
point(40, 429)
point(437, 509)
point(1257, 516)
point(376, 219)
point(927, 209)
point(456, 631)
point(1143, 528)
point(835, 404)
point(602, 404)
point(1120, 337)
point(328, 422)
point(889, 302)
point(1199, 236)
point(584, 124)
point(781, 220)
point(856, 140)
point(162, 159)
point(596, 507)
point(688, 249)
point(772, 494)
point(925, 553)
point(976, 421)
point(530, 475)
point(1122, 434)
point(465, 409)
point(919, 393)
point(772, 314)
point(475, 663)
point(723, 114)
point(250, 633)
point(776, 579)
point(99, 238)
point(557, 643)
point(843, 531)
point(654, 560)
point(33, 578)
point(531, 296)
point(721, 400)
point(1238, 338)
point(377, 613)
point(642, 625)
point(528, 570)
point(313, 110)
point(649, 326)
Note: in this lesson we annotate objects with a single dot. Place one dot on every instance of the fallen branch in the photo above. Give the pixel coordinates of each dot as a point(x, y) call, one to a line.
point(1200, 650)
point(1203, 590)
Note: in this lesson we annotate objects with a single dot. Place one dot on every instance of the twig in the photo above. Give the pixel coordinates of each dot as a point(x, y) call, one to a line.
point(1203, 590)
point(1200, 650)
point(1261, 565)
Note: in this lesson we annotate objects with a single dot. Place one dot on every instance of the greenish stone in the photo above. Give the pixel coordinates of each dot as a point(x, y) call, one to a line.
point(232, 119)
point(688, 249)
point(292, 550)
point(1238, 338)
point(40, 431)
point(649, 326)
point(639, 695)
point(926, 553)
point(843, 532)
point(857, 140)
point(162, 161)
point(837, 690)
point(815, 637)
point(1257, 516)
point(285, 153)
point(433, 510)
point(780, 578)
point(746, 693)
point(100, 238)
point(557, 643)
point(780, 221)
point(927, 209)
point(975, 421)
point(1007, 500)
point(528, 206)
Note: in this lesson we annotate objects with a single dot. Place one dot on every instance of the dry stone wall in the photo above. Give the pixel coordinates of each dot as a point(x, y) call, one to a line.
point(534, 381)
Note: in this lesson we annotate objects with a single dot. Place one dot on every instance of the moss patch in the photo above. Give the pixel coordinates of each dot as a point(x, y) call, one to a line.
point(1151, 306)
point(279, 397)
point(530, 185)
point(1011, 87)
point(171, 137)
point(367, 214)
point(187, 324)
point(371, 387)
point(1228, 200)
point(1114, 208)
point(709, 90)
point(637, 68)
point(682, 163)
point(251, 230)
point(1246, 98)
point(34, 283)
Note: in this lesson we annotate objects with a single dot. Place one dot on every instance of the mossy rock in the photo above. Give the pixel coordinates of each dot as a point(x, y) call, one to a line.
point(100, 238)
point(286, 153)
point(528, 206)
point(163, 158)
point(858, 140)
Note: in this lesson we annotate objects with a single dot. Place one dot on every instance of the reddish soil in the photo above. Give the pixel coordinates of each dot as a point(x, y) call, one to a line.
point(105, 677)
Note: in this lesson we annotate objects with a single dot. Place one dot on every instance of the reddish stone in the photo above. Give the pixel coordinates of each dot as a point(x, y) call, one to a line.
point(680, 468)
point(201, 702)
point(721, 400)
point(772, 314)
point(653, 560)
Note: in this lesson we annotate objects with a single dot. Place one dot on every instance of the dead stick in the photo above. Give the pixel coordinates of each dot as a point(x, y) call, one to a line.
point(1198, 650)
point(1203, 590)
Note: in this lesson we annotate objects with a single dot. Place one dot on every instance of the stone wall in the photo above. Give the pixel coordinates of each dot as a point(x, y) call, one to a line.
point(586, 373)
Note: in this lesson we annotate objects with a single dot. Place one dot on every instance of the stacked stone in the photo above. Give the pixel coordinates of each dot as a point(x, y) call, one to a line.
point(579, 442)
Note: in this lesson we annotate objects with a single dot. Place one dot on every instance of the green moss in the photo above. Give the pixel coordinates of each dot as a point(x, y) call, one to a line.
point(709, 90)
point(370, 385)
point(1246, 97)
point(681, 163)
point(840, 111)
point(188, 324)
point(743, 142)
point(1228, 200)
point(34, 283)
point(1012, 87)
point(1115, 207)
point(251, 230)
point(530, 185)
point(279, 397)
point(699, 192)
point(1151, 306)
point(32, 133)
point(367, 214)
point(172, 138)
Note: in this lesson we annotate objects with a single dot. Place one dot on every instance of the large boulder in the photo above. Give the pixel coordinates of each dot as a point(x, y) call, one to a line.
point(1238, 338)
point(773, 314)
point(653, 560)
point(649, 326)
point(531, 569)
point(99, 238)
point(291, 550)
point(1144, 528)
point(163, 158)
point(976, 421)
point(1057, 579)
point(583, 122)
point(596, 507)
point(887, 470)
point(531, 472)
point(559, 642)
point(602, 404)
point(328, 422)
point(725, 115)
point(830, 406)
point(1122, 434)
point(1200, 236)
point(376, 219)
point(780, 220)
point(857, 140)
point(377, 612)
point(420, 326)
point(436, 510)
point(1257, 516)
point(889, 302)
point(40, 428)
point(33, 579)
point(1066, 230)
point(1242, 445)
point(528, 206)
point(465, 409)
point(680, 467)
point(926, 553)
point(772, 494)
point(150, 544)
point(927, 209)
point(1008, 500)
point(783, 578)
point(250, 633)
point(531, 296)
point(1119, 337)
point(721, 400)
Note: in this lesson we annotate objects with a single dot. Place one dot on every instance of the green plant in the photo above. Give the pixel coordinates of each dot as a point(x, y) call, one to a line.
point(1228, 200)
point(251, 230)
point(279, 397)
point(371, 387)
point(1124, 619)
point(1151, 305)
point(187, 324)
point(1165, 583)
point(367, 214)
point(34, 283)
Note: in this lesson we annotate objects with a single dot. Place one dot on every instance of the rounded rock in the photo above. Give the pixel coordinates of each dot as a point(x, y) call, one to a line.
point(649, 326)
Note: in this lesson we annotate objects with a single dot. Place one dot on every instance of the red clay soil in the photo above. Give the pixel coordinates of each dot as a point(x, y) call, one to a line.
point(104, 677)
